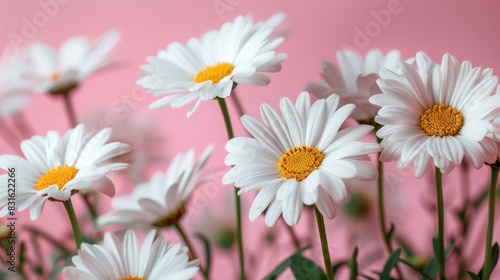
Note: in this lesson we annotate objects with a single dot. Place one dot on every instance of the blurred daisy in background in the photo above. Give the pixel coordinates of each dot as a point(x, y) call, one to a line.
point(57, 167)
point(210, 67)
point(439, 111)
point(60, 71)
point(160, 202)
point(299, 157)
point(126, 260)
point(356, 80)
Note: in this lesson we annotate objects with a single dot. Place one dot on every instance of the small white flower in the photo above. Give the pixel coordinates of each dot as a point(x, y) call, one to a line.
point(439, 111)
point(212, 66)
point(14, 94)
point(56, 167)
point(114, 259)
point(299, 158)
point(358, 80)
point(161, 201)
point(60, 71)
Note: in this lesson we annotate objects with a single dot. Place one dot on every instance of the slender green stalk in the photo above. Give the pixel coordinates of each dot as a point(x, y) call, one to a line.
point(239, 237)
point(184, 237)
point(292, 234)
point(324, 244)
point(439, 190)
point(90, 207)
point(74, 223)
point(491, 220)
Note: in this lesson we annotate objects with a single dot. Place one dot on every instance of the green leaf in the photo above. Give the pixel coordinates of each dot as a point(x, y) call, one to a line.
point(406, 248)
point(390, 264)
point(208, 250)
point(432, 267)
point(306, 269)
point(283, 265)
point(390, 232)
point(473, 276)
point(494, 260)
point(353, 264)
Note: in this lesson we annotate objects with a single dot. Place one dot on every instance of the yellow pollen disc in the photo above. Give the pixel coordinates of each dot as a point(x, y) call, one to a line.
point(55, 76)
point(56, 176)
point(298, 162)
point(130, 277)
point(441, 120)
point(214, 73)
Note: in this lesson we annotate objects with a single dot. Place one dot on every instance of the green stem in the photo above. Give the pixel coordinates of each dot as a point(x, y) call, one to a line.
point(74, 223)
point(90, 207)
point(294, 237)
point(324, 244)
point(69, 109)
point(184, 237)
point(440, 203)
point(239, 238)
point(491, 220)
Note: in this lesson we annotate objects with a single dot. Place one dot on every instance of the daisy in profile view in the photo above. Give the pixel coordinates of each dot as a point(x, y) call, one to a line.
point(299, 157)
point(211, 67)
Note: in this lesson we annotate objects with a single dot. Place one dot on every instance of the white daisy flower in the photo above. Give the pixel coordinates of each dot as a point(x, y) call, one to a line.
point(212, 66)
point(14, 94)
point(57, 167)
point(358, 80)
point(299, 158)
point(161, 201)
point(114, 259)
point(443, 112)
point(59, 72)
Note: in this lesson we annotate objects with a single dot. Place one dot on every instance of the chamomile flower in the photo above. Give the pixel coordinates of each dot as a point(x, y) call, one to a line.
point(299, 158)
point(126, 260)
point(210, 67)
point(57, 167)
point(161, 201)
point(58, 72)
point(442, 112)
point(356, 81)
point(14, 94)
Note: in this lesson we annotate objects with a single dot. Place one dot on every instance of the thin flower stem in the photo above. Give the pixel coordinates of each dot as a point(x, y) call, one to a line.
point(23, 125)
point(491, 220)
point(439, 190)
point(324, 244)
point(184, 237)
point(381, 212)
point(74, 223)
point(90, 207)
point(237, 103)
point(69, 109)
point(239, 237)
point(290, 230)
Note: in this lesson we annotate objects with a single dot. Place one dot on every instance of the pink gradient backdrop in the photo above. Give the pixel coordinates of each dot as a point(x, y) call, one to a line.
point(466, 29)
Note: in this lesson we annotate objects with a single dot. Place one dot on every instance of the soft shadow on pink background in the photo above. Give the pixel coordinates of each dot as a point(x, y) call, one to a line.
point(318, 28)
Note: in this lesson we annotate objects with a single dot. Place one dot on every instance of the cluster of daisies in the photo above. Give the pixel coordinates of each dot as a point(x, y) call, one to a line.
point(424, 112)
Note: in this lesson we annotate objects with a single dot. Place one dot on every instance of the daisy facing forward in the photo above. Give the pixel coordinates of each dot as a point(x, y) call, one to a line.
point(443, 112)
point(357, 81)
point(299, 158)
point(212, 66)
point(57, 167)
point(161, 201)
point(114, 259)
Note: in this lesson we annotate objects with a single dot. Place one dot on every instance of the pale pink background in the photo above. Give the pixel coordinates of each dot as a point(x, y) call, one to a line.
point(466, 29)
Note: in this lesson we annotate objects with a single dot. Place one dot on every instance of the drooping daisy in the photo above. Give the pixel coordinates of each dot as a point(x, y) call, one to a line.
point(439, 111)
point(212, 66)
point(299, 158)
point(357, 81)
point(161, 201)
point(126, 260)
point(57, 167)
point(58, 72)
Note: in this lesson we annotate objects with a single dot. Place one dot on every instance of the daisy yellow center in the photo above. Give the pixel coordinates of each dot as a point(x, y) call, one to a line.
point(56, 176)
point(298, 162)
point(214, 73)
point(55, 76)
point(441, 120)
point(130, 277)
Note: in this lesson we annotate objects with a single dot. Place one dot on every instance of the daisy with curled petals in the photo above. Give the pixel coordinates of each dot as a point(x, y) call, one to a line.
point(299, 158)
point(439, 111)
point(211, 67)
point(59, 72)
point(57, 167)
point(356, 81)
point(126, 260)
point(161, 201)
